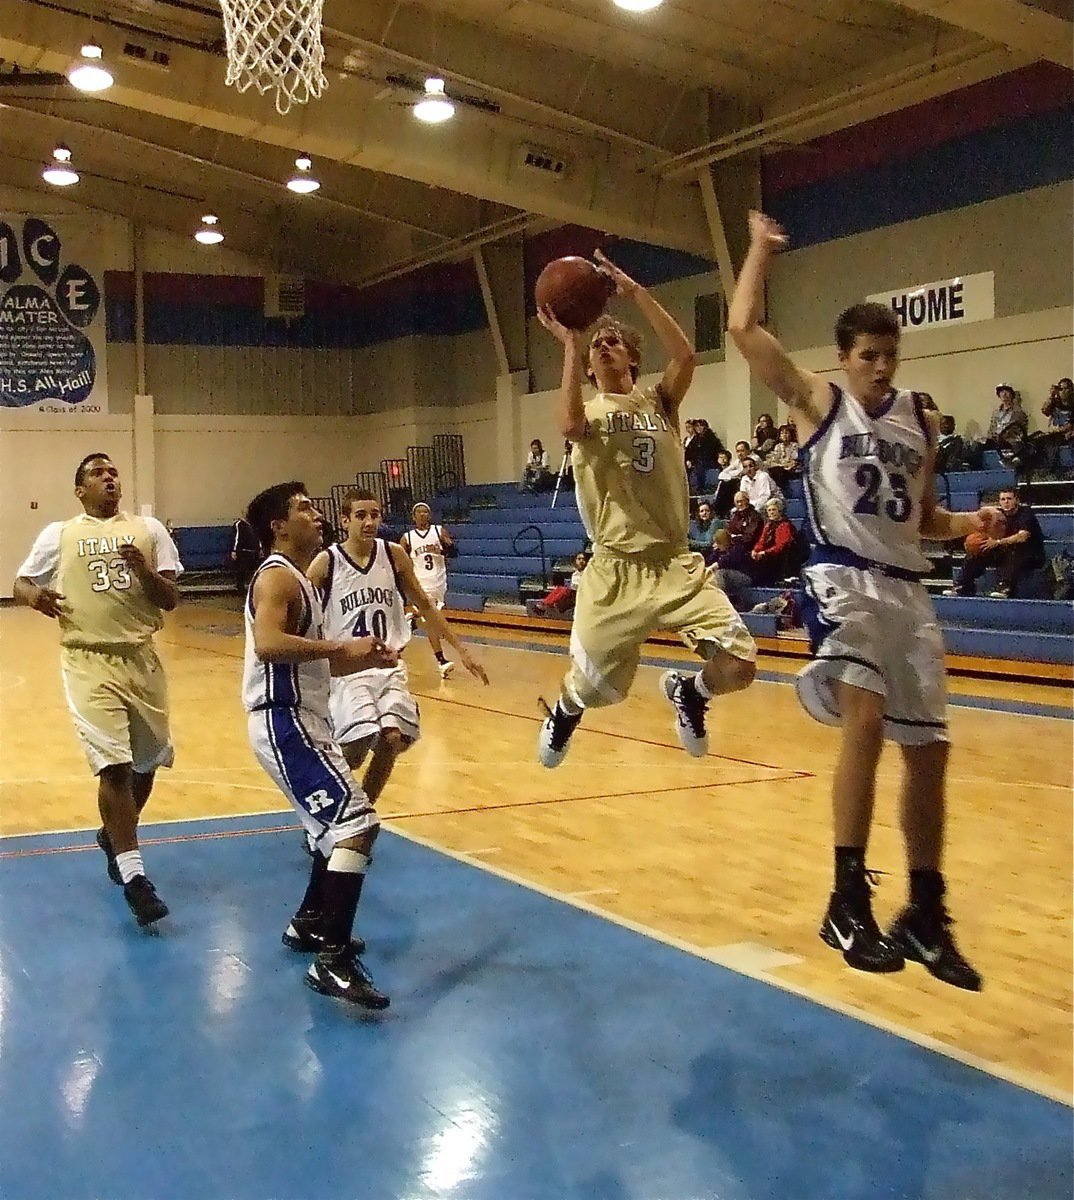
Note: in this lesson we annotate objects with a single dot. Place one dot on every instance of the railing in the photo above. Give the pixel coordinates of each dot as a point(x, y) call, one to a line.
point(449, 481)
point(538, 545)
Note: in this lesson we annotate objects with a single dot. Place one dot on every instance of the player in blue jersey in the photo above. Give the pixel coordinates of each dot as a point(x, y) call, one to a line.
point(878, 666)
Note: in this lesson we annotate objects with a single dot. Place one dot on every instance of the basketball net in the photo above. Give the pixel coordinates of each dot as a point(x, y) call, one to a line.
point(275, 45)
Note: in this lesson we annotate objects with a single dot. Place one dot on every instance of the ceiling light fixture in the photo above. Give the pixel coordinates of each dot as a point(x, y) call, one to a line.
point(208, 234)
point(638, 5)
point(59, 172)
point(303, 182)
point(89, 74)
point(435, 107)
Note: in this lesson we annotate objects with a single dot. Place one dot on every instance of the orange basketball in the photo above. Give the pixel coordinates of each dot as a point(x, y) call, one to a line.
point(574, 290)
point(975, 543)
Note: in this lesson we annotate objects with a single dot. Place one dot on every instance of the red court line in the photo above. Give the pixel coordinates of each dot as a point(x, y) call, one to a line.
point(437, 812)
point(523, 717)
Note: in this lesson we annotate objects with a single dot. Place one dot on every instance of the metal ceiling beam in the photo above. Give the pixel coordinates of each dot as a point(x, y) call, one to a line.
point(1019, 27)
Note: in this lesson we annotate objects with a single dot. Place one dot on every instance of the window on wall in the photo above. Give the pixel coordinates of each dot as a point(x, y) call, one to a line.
point(710, 320)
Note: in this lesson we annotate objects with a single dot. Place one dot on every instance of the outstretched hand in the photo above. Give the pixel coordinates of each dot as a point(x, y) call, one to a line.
point(624, 285)
point(473, 666)
point(556, 327)
point(766, 233)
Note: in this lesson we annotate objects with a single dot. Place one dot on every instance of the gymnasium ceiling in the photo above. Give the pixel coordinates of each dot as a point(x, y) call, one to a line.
point(635, 105)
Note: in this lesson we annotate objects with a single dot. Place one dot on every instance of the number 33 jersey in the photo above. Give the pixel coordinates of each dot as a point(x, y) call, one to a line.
point(364, 601)
point(629, 475)
point(865, 478)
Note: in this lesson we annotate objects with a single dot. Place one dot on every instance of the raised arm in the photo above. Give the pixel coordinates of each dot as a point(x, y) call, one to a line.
point(571, 408)
point(680, 350)
point(807, 394)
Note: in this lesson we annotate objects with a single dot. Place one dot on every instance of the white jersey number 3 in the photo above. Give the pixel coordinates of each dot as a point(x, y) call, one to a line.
point(644, 453)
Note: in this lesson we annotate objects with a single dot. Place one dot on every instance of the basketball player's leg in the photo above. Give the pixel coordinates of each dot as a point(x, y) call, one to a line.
point(386, 750)
point(690, 604)
point(444, 665)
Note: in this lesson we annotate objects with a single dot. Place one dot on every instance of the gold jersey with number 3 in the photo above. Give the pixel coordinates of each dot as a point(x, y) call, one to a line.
point(105, 605)
point(629, 475)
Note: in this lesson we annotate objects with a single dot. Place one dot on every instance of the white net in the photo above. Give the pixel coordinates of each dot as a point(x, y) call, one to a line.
point(275, 45)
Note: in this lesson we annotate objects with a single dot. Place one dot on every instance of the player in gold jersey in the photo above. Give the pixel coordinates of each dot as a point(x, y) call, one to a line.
point(630, 483)
point(107, 577)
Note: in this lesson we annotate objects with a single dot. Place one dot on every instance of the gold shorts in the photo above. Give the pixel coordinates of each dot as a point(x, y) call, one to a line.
point(119, 702)
point(621, 601)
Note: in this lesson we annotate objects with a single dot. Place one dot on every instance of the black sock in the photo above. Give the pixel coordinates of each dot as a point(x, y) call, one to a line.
point(439, 656)
point(926, 888)
point(339, 902)
point(849, 867)
point(311, 901)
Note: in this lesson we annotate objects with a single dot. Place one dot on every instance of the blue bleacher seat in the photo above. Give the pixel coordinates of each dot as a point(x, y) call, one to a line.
point(204, 547)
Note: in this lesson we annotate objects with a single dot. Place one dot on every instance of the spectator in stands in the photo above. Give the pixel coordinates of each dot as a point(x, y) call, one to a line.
point(1009, 424)
point(764, 435)
point(772, 552)
point(731, 472)
point(703, 454)
point(744, 524)
point(950, 448)
point(782, 463)
point(758, 485)
point(537, 475)
point(726, 564)
point(245, 554)
point(560, 600)
point(927, 402)
point(1016, 555)
point(1059, 409)
point(703, 526)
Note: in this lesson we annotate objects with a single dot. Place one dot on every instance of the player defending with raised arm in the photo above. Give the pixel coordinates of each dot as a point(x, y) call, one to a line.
point(365, 584)
point(430, 546)
point(107, 577)
point(285, 690)
point(630, 483)
point(878, 666)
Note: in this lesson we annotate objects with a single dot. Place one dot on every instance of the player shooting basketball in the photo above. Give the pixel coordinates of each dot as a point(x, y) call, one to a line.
point(630, 482)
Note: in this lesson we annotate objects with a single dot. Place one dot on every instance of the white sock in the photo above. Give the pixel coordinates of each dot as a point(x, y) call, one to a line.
point(130, 864)
point(703, 689)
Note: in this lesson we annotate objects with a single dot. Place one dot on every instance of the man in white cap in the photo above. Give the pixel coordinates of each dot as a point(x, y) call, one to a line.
point(429, 547)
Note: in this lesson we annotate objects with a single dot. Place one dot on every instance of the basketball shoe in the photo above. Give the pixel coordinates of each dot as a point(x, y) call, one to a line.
point(849, 926)
point(105, 844)
point(445, 668)
point(923, 934)
point(690, 708)
point(341, 973)
point(303, 935)
point(143, 901)
point(554, 738)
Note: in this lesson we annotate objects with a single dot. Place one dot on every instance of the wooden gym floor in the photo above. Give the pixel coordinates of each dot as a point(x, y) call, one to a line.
point(727, 858)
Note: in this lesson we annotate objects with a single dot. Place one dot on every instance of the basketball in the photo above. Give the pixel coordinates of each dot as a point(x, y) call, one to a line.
point(574, 290)
point(975, 543)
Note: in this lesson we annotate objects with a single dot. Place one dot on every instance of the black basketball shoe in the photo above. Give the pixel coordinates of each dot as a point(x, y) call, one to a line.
point(143, 901)
point(303, 936)
point(554, 739)
point(849, 926)
point(924, 935)
point(105, 844)
point(341, 973)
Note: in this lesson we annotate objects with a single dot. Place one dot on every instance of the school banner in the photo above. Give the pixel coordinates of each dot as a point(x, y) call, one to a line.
point(52, 324)
point(956, 301)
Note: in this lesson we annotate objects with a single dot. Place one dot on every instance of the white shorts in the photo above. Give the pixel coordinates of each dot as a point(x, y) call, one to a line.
point(297, 750)
point(435, 591)
point(879, 634)
point(363, 704)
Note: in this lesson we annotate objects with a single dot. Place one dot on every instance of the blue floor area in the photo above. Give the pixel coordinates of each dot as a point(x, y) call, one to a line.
point(532, 1052)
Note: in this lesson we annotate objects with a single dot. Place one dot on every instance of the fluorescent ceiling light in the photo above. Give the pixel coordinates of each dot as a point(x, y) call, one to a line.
point(208, 234)
point(89, 74)
point(303, 182)
point(638, 5)
point(435, 107)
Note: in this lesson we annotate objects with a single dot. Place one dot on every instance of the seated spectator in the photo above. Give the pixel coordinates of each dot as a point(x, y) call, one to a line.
point(758, 485)
point(702, 457)
point(1059, 409)
point(536, 475)
point(772, 552)
point(744, 525)
point(764, 435)
point(731, 471)
point(560, 600)
point(726, 563)
point(1017, 554)
point(702, 527)
point(782, 463)
point(1009, 423)
point(950, 448)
